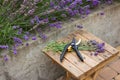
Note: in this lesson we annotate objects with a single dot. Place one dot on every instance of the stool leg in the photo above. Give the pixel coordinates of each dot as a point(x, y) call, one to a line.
point(68, 76)
point(96, 74)
point(93, 76)
point(89, 78)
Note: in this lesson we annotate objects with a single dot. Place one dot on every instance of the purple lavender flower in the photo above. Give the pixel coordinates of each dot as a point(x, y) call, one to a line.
point(52, 4)
point(87, 7)
point(15, 27)
point(17, 40)
point(37, 19)
point(14, 50)
point(102, 13)
point(79, 1)
point(20, 31)
point(79, 26)
point(75, 12)
point(95, 2)
point(27, 33)
point(101, 45)
point(63, 15)
point(87, 11)
point(96, 53)
point(17, 44)
point(81, 11)
point(45, 20)
point(25, 2)
point(27, 44)
point(4, 46)
point(71, 13)
point(109, 1)
point(69, 1)
point(32, 21)
point(30, 12)
point(100, 50)
point(5, 58)
point(43, 36)
point(26, 37)
point(53, 18)
point(57, 7)
point(36, 1)
point(62, 3)
point(73, 5)
point(93, 42)
point(34, 38)
point(56, 24)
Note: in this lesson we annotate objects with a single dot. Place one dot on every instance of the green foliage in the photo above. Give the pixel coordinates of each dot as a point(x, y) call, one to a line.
point(55, 46)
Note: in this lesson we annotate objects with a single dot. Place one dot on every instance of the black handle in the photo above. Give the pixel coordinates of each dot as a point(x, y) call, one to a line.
point(78, 53)
point(64, 52)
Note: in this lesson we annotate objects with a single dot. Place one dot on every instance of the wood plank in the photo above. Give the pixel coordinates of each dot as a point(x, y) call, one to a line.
point(65, 64)
point(118, 48)
point(97, 58)
point(75, 61)
point(91, 37)
point(105, 54)
point(105, 62)
point(87, 59)
point(117, 77)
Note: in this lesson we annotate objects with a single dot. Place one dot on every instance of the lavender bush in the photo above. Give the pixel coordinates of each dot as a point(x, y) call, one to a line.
point(19, 18)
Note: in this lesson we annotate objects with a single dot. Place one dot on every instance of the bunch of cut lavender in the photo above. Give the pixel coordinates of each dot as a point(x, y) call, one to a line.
point(99, 47)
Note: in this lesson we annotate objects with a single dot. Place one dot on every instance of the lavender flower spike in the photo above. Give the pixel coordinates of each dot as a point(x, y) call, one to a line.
point(34, 38)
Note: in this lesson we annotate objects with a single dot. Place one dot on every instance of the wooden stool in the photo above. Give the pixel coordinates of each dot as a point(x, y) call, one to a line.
point(89, 69)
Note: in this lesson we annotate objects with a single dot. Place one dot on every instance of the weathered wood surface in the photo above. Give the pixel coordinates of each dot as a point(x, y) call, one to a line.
point(91, 64)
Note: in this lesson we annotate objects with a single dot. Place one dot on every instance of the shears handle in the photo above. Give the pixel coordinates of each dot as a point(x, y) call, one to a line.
point(64, 52)
point(75, 48)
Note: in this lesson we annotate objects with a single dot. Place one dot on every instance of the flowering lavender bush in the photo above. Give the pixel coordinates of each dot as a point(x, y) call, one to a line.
point(18, 18)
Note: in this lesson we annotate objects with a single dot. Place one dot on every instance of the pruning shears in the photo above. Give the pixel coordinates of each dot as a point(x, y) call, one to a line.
point(73, 45)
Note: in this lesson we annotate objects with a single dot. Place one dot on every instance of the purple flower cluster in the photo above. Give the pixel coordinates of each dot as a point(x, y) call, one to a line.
point(109, 1)
point(37, 20)
point(15, 27)
point(5, 58)
point(95, 2)
point(19, 31)
point(17, 40)
point(41, 34)
point(99, 47)
point(26, 37)
point(31, 12)
point(14, 50)
point(56, 24)
point(79, 26)
point(34, 38)
point(4, 46)
point(74, 7)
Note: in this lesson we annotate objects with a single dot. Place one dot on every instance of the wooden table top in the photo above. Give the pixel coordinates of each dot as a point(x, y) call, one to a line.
point(72, 63)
